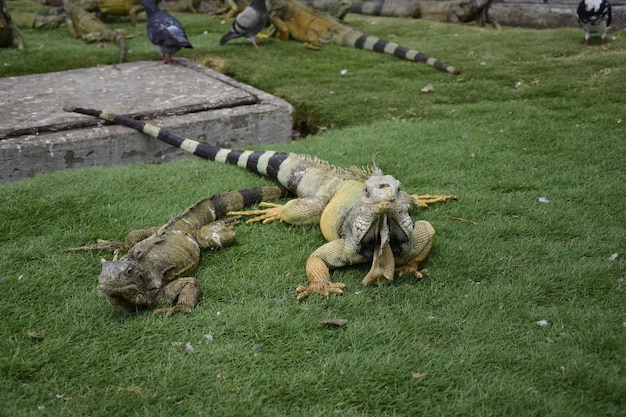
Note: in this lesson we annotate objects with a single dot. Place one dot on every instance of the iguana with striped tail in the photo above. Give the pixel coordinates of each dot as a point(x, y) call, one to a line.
point(158, 262)
point(452, 11)
point(291, 19)
point(363, 214)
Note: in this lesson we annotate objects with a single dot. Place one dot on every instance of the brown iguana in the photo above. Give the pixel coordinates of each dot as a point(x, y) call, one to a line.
point(53, 17)
point(291, 19)
point(158, 261)
point(363, 215)
point(88, 27)
point(452, 11)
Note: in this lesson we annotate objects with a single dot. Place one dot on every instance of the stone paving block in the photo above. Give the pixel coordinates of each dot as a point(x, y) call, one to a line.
point(37, 136)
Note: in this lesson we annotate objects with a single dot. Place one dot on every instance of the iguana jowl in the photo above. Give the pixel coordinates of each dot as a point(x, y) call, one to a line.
point(159, 262)
point(363, 215)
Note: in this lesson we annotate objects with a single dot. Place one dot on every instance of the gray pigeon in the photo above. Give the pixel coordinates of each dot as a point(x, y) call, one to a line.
point(248, 23)
point(164, 31)
point(594, 14)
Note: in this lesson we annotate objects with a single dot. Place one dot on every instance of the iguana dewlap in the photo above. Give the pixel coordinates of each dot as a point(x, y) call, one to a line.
point(363, 215)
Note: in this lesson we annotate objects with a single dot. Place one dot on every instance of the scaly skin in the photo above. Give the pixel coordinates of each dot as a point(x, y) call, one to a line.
point(85, 25)
point(452, 11)
point(158, 263)
point(291, 19)
point(363, 215)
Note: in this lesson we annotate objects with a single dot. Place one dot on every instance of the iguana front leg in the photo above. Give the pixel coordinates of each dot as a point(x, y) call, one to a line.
point(421, 243)
point(186, 293)
point(331, 255)
point(425, 200)
point(278, 26)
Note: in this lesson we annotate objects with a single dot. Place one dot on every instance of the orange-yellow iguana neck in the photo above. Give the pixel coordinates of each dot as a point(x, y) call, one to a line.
point(291, 19)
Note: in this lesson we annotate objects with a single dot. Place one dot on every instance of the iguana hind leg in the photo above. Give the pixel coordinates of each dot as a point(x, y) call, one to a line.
point(334, 254)
point(421, 241)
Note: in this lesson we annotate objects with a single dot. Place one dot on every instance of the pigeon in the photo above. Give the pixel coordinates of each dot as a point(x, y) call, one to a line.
point(594, 14)
point(248, 23)
point(164, 31)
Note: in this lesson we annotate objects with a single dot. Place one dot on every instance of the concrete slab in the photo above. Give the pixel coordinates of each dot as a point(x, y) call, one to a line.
point(36, 135)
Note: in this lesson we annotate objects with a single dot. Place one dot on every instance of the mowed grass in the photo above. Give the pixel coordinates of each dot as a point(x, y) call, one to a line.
point(523, 311)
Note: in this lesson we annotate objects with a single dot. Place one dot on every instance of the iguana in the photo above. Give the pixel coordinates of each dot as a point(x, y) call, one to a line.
point(291, 19)
point(53, 17)
point(363, 215)
point(88, 27)
point(452, 11)
point(158, 261)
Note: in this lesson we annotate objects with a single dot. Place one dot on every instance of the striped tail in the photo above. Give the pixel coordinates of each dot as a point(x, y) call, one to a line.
point(360, 40)
point(266, 163)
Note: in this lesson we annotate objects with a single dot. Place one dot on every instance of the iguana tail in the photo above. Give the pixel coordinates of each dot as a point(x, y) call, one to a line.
point(356, 39)
point(301, 175)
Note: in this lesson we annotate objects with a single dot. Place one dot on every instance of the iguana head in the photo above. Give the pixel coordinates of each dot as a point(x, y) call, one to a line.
point(381, 192)
point(123, 285)
point(381, 225)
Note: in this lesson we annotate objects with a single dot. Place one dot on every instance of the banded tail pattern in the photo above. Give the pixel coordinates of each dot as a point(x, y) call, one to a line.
point(299, 174)
point(352, 38)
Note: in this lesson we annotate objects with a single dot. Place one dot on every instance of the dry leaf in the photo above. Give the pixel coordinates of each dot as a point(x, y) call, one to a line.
point(427, 89)
point(418, 375)
point(334, 322)
point(34, 336)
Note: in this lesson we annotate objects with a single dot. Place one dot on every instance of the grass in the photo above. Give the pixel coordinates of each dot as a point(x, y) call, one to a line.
point(464, 341)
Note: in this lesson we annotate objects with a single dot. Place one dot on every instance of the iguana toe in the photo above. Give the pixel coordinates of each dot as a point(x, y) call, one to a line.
point(170, 311)
point(323, 288)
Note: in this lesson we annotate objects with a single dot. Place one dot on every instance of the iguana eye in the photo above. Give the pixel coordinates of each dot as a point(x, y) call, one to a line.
point(130, 271)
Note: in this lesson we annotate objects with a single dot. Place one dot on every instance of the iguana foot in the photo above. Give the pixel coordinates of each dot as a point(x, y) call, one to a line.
point(424, 200)
point(179, 308)
point(408, 269)
point(273, 212)
point(323, 288)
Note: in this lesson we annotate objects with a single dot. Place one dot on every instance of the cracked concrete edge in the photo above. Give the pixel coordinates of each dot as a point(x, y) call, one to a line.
point(268, 121)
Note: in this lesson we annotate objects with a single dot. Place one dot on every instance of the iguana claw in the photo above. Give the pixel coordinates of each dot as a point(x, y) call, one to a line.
point(169, 311)
point(323, 288)
point(408, 269)
point(273, 212)
point(425, 200)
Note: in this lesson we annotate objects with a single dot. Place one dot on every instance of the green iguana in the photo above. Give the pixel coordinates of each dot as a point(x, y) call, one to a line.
point(291, 19)
point(89, 28)
point(452, 11)
point(363, 215)
point(158, 261)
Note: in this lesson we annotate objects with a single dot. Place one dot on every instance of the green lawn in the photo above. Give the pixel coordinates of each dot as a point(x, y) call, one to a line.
point(467, 340)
